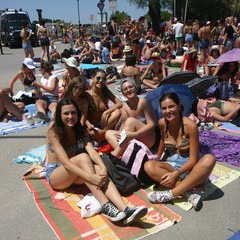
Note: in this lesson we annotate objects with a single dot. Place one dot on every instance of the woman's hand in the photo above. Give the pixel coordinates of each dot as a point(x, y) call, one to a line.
point(170, 179)
point(98, 179)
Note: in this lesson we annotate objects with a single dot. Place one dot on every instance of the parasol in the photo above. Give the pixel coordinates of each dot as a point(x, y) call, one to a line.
point(183, 92)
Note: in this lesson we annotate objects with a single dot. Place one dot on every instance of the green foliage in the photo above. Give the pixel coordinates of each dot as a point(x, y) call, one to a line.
point(165, 15)
point(121, 16)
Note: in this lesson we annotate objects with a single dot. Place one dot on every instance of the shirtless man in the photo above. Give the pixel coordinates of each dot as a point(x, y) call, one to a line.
point(204, 35)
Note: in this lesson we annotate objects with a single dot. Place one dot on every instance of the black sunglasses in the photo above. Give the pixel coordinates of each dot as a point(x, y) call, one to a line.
point(103, 79)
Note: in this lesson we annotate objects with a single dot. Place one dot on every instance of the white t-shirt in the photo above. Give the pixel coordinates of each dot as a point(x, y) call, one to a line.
point(47, 82)
point(98, 46)
point(178, 29)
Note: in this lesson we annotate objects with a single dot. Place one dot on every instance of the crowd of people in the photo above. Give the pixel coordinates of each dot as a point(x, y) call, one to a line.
point(87, 114)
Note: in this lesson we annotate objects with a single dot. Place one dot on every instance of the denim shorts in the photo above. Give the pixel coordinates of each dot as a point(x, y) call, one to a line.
point(49, 99)
point(50, 167)
point(177, 161)
point(27, 46)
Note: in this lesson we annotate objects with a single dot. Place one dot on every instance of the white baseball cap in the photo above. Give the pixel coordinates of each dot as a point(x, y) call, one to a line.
point(148, 41)
point(29, 63)
point(71, 62)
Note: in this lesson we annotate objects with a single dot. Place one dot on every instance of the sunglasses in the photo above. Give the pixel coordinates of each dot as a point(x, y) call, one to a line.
point(103, 79)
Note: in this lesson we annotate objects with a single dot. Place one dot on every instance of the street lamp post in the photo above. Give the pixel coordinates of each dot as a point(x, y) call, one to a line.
point(79, 24)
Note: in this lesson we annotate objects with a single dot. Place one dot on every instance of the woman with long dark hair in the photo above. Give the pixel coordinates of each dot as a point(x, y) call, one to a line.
point(183, 168)
point(72, 159)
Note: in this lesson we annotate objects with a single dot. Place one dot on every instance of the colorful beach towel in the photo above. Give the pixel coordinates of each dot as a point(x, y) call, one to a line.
point(227, 126)
point(64, 216)
point(220, 177)
point(223, 146)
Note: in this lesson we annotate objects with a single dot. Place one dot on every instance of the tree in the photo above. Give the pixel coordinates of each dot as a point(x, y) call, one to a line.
point(121, 16)
point(153, 11)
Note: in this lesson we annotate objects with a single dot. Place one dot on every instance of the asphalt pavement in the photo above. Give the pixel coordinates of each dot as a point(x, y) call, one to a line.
point(20, 218)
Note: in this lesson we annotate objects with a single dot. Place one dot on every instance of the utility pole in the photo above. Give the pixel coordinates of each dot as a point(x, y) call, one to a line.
point(79, 24)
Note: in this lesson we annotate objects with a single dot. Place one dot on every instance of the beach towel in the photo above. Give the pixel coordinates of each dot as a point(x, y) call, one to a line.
point(13, 125)
point(32, 156)
point(223, 146)
point(228, 126)
point(89, 66)
point(60, 210)
point(220, 177)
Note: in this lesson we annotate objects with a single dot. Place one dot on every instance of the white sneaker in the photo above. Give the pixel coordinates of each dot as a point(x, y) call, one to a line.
point(30, 120)
point(36, 119)
point(195, 200)
point(160, 196)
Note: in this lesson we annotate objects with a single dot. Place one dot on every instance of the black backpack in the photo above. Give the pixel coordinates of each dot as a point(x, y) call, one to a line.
point(67, 53)
point(120, 175)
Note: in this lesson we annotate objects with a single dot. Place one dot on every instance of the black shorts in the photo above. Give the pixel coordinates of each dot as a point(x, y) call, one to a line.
point(44, 41)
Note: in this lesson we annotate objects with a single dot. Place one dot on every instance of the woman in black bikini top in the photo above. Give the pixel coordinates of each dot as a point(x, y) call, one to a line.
point(26, 76)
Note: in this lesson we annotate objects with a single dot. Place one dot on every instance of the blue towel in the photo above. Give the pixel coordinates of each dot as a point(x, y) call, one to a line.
point(34, 155)
point(89, 66)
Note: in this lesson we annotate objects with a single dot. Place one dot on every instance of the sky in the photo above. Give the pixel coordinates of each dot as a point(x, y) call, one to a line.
point(67, 10)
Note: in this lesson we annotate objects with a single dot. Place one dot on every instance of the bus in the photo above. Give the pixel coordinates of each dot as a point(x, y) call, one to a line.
point(11, 25)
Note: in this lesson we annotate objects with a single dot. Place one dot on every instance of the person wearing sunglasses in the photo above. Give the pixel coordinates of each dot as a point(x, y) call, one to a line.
point(211, 68)
point(104, 107)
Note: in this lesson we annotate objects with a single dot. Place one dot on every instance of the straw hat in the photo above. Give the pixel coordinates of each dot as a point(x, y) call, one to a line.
point(192, 50)
point(127, 49)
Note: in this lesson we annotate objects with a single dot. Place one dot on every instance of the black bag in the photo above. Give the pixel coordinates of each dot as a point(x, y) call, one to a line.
point(66, 54)
point(112, 71)
point(26, 100)
point(88, 60)
point(120, 175)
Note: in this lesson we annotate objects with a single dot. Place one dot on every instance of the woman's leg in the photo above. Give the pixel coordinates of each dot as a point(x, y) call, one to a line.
point(52, 108)
point(108, 121)
point(43, 52)
point(156, 170)
point(41, 106)
point(150, 84)
point(6, 103)
point(47, 51)
point(31, 53)
point(133, 125)
point(198, 175)
point(111, 137)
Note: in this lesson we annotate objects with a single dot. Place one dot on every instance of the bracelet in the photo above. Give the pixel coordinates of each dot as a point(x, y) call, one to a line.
point(180, 173)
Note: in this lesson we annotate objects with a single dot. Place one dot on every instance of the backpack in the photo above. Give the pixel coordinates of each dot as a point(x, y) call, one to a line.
point(134, 157)
point(203, 112)
point(125, 182)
